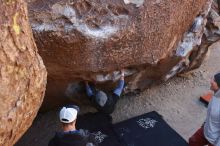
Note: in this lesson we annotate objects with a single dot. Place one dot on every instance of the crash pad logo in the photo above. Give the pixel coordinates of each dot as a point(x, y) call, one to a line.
point(99, 136)
point(147, 123)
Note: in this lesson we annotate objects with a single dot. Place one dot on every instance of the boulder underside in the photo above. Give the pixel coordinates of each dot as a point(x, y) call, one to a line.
point(93, 40)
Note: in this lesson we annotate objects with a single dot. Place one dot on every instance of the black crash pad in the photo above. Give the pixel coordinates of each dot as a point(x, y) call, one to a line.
point(100, 125)
point(148, 130)
point(145, 130)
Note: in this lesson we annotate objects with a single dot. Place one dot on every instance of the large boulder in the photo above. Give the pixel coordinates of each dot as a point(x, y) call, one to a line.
point(92, 40)
point(22, 73)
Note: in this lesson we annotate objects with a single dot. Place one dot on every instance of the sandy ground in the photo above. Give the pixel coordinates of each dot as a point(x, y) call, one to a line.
point(177, 100)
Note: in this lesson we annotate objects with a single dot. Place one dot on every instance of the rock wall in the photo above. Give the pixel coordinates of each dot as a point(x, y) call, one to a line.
point(22, 72)
point(92, 40)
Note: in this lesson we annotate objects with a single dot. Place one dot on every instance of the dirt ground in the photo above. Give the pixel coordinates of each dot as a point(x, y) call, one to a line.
point(176, 100)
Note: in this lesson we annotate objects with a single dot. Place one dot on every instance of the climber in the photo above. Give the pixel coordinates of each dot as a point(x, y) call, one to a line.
point(105, 102)
point(69, 135)
point(209, 133)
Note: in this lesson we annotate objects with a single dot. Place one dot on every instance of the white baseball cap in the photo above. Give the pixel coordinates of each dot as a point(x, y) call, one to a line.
point(68, 114)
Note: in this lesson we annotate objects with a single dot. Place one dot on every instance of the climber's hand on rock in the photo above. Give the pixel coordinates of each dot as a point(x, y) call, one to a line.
point(122, 74)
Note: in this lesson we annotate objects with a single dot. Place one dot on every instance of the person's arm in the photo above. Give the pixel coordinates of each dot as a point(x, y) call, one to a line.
point(118, 90)
point(89, 91)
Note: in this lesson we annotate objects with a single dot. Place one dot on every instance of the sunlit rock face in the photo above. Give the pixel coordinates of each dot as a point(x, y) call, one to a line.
point(92, 40)
point(22, 73)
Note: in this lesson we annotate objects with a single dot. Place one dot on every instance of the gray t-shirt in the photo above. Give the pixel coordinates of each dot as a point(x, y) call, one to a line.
point(212, 123)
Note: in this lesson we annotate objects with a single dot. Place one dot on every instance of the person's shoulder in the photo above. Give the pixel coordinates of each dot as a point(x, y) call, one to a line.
point(217, 94)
